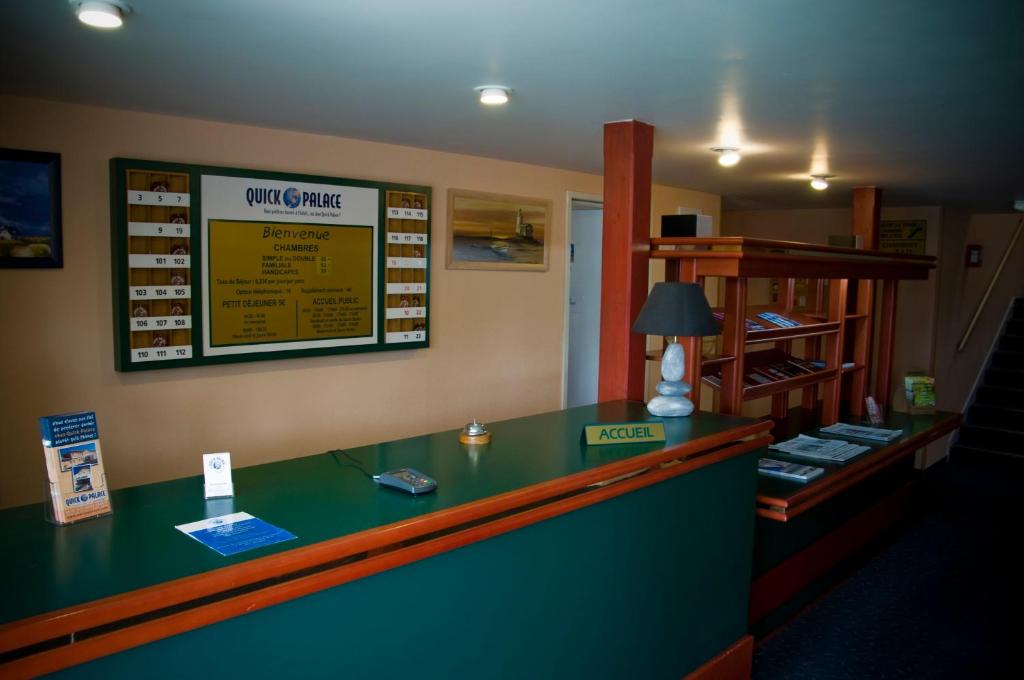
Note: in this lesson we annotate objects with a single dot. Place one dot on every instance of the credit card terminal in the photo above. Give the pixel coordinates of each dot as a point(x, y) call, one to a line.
point(407, 480)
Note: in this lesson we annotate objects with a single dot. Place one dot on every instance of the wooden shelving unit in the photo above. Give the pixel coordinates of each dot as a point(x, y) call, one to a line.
point(835, 327)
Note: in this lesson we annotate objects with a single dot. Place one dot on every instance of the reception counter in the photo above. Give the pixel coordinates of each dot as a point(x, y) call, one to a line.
point(537, 556)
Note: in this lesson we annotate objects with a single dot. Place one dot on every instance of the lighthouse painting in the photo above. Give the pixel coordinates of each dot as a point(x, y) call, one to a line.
point(496, 231)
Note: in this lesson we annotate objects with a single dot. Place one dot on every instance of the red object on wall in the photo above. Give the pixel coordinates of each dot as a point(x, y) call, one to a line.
point(972, 255)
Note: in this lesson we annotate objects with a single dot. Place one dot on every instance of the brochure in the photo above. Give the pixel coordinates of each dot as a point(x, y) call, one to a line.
point(779, 320)
point(862, 432)
point(791, 471)
point(234, 533)
point(830, 450)
point(74, 466)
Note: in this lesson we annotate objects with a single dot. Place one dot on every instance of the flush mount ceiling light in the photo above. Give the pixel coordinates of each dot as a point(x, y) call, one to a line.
point(493, 95)
point(101, 14)
point(820, 182)
point(728, 156)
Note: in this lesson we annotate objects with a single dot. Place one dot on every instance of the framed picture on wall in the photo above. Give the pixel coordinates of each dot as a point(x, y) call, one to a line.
point(30, 217)
point(497, 231)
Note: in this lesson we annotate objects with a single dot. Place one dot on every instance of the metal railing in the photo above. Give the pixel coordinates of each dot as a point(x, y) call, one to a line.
point(991, 285)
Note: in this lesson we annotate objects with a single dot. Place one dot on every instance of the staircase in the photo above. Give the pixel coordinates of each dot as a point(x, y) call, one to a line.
point(995, 420)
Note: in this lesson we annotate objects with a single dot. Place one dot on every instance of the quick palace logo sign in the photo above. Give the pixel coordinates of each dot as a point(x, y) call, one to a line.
point(292, 198)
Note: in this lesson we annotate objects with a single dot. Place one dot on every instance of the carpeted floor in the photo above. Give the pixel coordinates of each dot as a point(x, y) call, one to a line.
point(943, 600)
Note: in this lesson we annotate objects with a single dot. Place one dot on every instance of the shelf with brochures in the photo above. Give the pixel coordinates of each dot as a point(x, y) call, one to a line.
point(782, 500)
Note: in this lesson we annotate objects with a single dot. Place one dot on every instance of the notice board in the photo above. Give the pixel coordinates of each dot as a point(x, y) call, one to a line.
point(214, 265)
point(906, 237)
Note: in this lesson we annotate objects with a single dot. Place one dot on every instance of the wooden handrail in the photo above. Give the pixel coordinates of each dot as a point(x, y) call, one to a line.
point(991, 285)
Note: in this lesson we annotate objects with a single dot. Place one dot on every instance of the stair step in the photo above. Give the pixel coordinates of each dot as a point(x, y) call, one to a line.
point(1005, 359)
point(993, 438)
point(996, 416)
point(1004, 377)
point(1000, 396)
point(1011, 343)
point(1014, 327)
point(960, 453)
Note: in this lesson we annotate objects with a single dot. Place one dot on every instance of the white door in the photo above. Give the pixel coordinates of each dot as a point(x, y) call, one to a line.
point(584, 302)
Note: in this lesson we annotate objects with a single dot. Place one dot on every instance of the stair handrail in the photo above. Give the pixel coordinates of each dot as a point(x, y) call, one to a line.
point(991, 285)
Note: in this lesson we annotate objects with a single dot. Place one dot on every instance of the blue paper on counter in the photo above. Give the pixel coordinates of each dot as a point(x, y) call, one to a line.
point(234, 533)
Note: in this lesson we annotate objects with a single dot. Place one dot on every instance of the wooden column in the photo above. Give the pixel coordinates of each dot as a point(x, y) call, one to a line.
point(867, 205)
point(628, 147)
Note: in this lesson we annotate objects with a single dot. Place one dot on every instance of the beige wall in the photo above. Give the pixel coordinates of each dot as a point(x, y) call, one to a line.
point(496, 337)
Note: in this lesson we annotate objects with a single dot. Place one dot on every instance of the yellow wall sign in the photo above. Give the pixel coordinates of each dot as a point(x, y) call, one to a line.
point(624, 433)
point(283, 282)
point(906, 237)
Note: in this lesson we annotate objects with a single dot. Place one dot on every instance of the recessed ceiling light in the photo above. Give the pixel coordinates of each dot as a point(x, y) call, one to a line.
point(100, 14)
point(820, 182)
point(728, 156)
point(493, 95)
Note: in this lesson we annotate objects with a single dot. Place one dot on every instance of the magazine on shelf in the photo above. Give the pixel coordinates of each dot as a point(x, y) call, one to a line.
point(751, 325)
point(779, 320)
point(791, 471)
point(830, 450)
point(862, 432)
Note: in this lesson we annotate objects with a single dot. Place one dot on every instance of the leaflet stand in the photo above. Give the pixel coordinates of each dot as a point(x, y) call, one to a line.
point(50, 516)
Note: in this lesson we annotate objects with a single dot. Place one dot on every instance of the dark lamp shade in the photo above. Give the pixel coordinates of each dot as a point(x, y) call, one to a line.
point(676, 309)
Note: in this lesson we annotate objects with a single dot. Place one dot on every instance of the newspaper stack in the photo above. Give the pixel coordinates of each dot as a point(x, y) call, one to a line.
point(830, 450)
point(862, 432)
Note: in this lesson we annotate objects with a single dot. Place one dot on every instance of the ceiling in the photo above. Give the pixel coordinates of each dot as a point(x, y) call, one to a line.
point(920, 97)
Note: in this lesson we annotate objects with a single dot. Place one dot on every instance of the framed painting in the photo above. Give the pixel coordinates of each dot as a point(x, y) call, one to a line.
point(30, 218)
point(497, 231)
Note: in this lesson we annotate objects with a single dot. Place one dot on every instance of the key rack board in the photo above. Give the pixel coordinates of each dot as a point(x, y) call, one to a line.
point(217, 265)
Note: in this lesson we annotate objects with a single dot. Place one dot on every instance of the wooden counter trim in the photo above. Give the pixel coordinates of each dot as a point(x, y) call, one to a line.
point(743, 241)
point(783, 509)
point(25, 632)
point(132, 636)
point(778, 585)
point(733, 663)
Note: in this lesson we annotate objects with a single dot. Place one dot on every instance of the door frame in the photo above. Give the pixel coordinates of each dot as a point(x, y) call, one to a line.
point(570, 196)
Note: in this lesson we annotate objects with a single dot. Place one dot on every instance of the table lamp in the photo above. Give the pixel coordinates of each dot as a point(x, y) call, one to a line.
point(672, 310)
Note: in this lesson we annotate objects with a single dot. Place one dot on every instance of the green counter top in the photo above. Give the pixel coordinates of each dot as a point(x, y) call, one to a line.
point(315, 497)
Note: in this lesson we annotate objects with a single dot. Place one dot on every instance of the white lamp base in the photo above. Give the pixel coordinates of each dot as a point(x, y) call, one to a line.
point(671, 403)
point(670, 406)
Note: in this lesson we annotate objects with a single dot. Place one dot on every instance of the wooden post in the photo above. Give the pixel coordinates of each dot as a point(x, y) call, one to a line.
point(867, 205)
point(734, 340)
point(628, 148)
point(693, 347)
point(812, 346)
point(787, 292)
point(834, 352)
point(886, 342)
